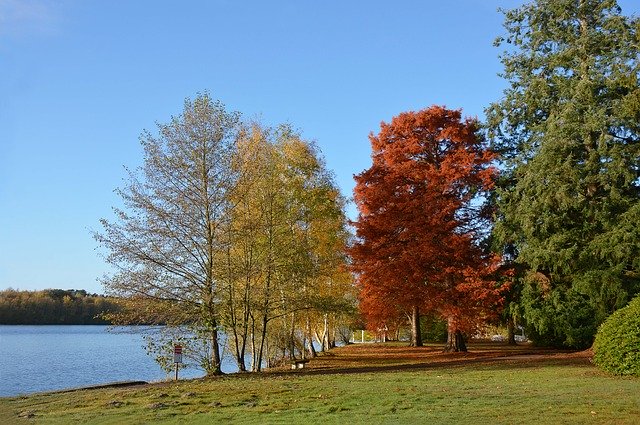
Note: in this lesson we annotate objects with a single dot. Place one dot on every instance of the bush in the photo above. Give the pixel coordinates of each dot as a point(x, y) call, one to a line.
point(617, 345)
point(561, 317)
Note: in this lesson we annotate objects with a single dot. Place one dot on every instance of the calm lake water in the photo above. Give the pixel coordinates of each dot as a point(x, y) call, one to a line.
point(45, 358)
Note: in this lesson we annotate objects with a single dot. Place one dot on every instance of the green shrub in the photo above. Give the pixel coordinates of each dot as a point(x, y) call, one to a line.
point(617, 345)
point(561, 317)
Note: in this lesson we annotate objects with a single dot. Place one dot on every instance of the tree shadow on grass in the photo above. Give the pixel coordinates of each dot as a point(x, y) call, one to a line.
point(499, 361)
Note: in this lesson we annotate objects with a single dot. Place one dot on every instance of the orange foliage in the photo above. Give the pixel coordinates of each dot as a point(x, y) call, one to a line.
point(419, 220)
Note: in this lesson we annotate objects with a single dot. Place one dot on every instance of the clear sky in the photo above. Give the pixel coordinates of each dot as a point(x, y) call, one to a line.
point(81, 79)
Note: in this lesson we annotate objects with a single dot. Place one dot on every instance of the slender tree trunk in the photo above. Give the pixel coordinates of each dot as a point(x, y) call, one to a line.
point(212, 222)
point(238, 340)
point(416, 335)
point(217, 361)
point(239, 352)
point(312, 350)
point(263, 337)
point(319, 338)
point(209, 312)
point(511, 335)
point(245, 316)
point(242, 364)
point(269, 359)
point(252, 343)
point(303, 351)
point(292, 337)
point(332, 333)
point(455, 339)
point(325, 334)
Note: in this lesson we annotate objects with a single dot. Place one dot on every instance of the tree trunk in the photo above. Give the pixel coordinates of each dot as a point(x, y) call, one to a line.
point(263, 337)
point(253, 344)
point(312, 349)
point(319, 339)
point(511, 335)
point(239, 341)
point(325, 334)
point(292, 337)
point(217, 361)
point(209, 312)
point(239, 353)
point(416, 335)
point(332, 335)
point(455, 339)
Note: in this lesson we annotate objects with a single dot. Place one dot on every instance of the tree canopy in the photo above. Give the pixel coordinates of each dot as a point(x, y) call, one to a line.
point(228, 226)
point(568, 131)
point(420, 221)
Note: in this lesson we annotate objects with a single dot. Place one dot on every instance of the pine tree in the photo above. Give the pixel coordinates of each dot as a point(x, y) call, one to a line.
point(568, 129)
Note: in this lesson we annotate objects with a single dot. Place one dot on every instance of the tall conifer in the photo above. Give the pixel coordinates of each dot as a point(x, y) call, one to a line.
point(568, 128)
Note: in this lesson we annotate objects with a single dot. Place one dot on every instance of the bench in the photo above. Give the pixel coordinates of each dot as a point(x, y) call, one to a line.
point(298, 363)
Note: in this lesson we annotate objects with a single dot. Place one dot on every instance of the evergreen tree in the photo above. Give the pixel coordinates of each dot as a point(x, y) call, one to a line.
point(568, 129)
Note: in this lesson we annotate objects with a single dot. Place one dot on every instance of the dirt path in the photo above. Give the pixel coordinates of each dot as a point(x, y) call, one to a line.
point(366, 358)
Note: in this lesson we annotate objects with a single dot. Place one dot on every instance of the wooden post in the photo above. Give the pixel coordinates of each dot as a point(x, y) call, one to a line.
point(177, 371)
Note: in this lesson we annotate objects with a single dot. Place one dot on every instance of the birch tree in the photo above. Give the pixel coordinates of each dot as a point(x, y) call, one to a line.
point(286, 243)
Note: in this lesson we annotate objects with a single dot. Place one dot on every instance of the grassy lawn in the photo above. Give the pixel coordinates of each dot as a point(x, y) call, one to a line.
point(365, 384)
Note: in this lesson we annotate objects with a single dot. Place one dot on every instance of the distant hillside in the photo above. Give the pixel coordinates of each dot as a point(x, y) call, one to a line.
point(53, 307)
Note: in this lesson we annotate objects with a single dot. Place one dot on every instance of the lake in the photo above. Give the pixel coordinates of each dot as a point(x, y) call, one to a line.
point(46, 358)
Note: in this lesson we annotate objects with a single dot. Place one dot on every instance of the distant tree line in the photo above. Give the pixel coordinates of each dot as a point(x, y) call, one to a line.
point(54, 307)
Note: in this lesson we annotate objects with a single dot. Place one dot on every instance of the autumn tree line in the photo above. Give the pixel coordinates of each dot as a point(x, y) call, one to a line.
point(235, 230)
point(531, 218)
point(54, 307)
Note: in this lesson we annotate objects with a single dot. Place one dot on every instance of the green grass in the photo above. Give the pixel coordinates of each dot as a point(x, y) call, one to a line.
point(505, 392)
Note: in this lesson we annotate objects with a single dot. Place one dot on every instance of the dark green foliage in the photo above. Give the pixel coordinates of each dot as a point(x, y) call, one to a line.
point(568, 130)
point(54, 307)
point(558, 317)
point(617, 345)
point(433, 329)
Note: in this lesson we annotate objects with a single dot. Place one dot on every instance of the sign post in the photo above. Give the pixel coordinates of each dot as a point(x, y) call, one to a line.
point(177, 357)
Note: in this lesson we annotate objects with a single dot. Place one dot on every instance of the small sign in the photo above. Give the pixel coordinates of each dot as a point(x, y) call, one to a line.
point(177, 354)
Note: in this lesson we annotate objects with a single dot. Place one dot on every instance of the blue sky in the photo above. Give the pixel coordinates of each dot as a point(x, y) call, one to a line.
point(81, 79)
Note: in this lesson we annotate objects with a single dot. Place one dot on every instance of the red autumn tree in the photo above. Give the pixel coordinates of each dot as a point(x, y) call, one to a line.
point(420, 220)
